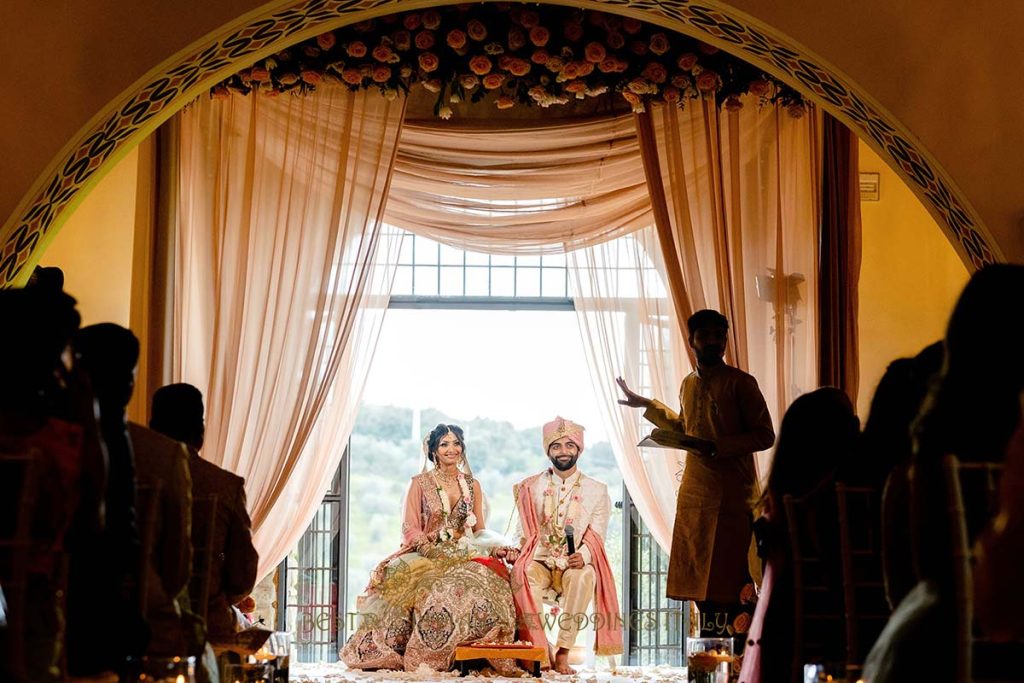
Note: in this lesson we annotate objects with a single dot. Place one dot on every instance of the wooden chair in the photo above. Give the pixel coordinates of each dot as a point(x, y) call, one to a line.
point(972, 500)
point(203, 507)
point(18, 489)
point(864, 602)
point(818, 620)
point(147, 503)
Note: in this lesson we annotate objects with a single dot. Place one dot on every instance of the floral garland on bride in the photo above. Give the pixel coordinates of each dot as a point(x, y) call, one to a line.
point(542, 55)
point(448, 528)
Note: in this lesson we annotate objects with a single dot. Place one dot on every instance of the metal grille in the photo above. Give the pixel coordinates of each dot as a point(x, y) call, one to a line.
point(657, 624)
point(311, 584)
point(429, 269)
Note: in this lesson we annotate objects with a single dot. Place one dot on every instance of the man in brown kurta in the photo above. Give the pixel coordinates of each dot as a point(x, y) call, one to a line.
point(724, 409)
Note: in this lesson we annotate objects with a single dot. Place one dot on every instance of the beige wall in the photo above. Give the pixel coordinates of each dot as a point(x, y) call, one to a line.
point(910, 278)
point(95, 247)
point(66, 61)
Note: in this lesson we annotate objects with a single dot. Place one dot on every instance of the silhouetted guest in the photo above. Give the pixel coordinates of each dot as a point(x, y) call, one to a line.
point(885, 460)
point(50, 278)
point(971, 412)
point(818, 435)
point(178, 413)
point(69, 465)
point(105, 625)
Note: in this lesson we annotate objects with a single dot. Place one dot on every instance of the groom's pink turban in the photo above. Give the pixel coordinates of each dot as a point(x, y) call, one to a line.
point(559, 427)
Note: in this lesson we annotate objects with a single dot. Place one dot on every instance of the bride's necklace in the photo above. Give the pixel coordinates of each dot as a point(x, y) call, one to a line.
point(445, 476)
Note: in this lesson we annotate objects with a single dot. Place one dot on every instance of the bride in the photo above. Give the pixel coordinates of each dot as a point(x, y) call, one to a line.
point(442, 588)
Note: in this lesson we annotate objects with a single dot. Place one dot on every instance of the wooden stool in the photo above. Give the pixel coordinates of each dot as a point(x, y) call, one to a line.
point(464, 653)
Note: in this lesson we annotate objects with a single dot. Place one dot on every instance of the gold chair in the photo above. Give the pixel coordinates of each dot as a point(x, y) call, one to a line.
point(864, 601)
point(818, 621)
point(972, 500)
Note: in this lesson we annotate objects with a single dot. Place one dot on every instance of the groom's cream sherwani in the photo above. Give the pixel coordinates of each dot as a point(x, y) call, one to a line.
point(584, 503)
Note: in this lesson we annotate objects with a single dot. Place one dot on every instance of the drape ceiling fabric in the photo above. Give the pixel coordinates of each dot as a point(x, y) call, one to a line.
point(281, 350)
point(282, 274)
point(541, 189)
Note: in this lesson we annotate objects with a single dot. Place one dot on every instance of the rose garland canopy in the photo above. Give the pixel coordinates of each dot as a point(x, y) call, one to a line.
point(519, 55)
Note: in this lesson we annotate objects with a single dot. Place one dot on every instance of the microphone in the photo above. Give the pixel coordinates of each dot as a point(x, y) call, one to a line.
point(570, 540)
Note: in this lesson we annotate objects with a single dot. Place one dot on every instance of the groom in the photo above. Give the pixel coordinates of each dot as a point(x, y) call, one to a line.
point(547, 568)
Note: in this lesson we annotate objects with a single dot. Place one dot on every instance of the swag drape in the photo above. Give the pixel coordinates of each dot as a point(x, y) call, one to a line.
point(281, 278)
point(739, 231)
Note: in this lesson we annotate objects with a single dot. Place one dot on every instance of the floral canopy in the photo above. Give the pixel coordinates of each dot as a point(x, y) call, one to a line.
point(513, 54)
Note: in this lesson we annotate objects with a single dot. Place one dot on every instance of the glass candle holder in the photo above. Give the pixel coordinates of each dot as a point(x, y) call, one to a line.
point(708, 660)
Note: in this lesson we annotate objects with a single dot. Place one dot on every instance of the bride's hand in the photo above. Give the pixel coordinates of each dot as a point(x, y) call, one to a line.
point(511, 555)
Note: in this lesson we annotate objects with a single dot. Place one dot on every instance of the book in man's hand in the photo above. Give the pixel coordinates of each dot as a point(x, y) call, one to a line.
point(669, 438)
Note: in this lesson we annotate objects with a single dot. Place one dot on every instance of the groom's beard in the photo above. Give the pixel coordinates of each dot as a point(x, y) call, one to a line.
point(564, 464)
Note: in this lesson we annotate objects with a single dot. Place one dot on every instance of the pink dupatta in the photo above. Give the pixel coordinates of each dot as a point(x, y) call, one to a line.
point(607, 621)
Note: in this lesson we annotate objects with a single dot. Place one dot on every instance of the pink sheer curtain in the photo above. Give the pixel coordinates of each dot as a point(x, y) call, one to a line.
point(282, 276)
point(742, 200)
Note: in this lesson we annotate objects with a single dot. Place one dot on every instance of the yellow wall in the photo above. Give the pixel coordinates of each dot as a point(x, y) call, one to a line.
point(910, 278)
point(97, 263)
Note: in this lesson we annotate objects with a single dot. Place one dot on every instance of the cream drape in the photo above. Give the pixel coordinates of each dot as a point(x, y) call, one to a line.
point(742, 200)
point(283, 269)
point(541, 189)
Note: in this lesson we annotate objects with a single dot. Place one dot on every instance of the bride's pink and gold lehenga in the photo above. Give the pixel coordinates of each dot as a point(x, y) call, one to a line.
point(436, 593)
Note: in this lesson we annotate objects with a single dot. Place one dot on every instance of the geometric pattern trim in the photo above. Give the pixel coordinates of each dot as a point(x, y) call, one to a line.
point(166, 92)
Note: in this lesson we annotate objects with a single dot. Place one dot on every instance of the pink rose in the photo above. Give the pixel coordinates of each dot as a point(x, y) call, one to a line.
point(519, 67)
point(412, 21)
point(432, 85)
point(795, 109)
point(260, 74)
point(505, 62)
point(516, 39)
point(382, 53)
point(608, 66)
point(431, 19)
point(311, 51)
point(476, 29)
point(638, 47)
point(741, 624)
point(403, 40)
point(687, 61)
point(326, 40)
point(594, 52)
point(480, 65)
point(670, 94)
point(655, 72)
point(681, 81)
point(583, 68)
point(529, 18)
point(311, 77)
point(468, 81)
point(456, 39)
point(659, 44)
point(760, 88)
point(220, 93)
point(428, 62)
point(555, 64)
point(425, 40)
point(356, 49)
point(631, 26)
point(504, 102)
point(352, 76)
point(708, 81)
point(381, 73)
point(576, 86)
point(540, 57)
point(572, 32)
point(539, 36)
point(615, 40)
point(732, 103)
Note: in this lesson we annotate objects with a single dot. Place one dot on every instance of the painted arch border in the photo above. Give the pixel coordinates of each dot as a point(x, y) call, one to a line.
point(153, 99)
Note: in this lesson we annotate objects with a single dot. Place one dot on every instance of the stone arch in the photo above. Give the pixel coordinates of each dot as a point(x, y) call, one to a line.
point(154, 99)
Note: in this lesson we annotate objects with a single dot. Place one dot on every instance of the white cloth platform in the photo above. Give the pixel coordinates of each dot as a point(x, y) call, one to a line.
point(339, 673)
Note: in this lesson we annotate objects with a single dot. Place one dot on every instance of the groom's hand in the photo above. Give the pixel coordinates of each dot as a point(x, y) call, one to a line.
point(511, 555)
point(576, 561)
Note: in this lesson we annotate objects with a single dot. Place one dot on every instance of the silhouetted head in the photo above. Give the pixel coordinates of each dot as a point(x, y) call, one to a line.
point(709, 332)
point(178, 413)
point(109, 353)
point(49, 278)
point(38, 325)
point(896, 403)
point(973, 409)
point(818, 433)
